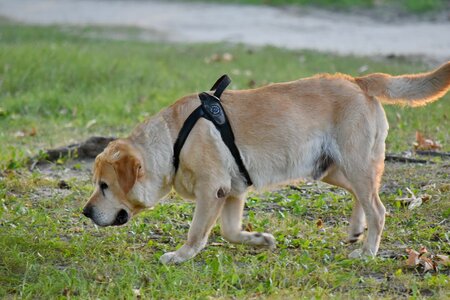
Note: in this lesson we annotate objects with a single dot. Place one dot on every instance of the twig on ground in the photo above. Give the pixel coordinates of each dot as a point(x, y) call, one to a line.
point(433, 153)
point(87, 149)
point(402, 159)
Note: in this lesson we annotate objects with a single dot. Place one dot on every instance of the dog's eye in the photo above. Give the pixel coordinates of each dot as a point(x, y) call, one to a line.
point(103, 186)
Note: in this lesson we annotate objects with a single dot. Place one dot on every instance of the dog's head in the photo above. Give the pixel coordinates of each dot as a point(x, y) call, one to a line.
point(117, 170)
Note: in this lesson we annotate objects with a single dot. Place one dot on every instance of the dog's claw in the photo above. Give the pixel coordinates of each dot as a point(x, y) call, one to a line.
point(170, 258)
point(360, 253)
point(270, 241)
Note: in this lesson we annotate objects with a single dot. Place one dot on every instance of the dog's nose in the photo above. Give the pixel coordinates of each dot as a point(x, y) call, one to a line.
point(88, 211)
point(121, 218)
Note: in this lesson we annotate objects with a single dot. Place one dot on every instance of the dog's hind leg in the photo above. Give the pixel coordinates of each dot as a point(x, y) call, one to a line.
point(366, 186)
point(206, 213)
point(231, 225)
point(358, 218)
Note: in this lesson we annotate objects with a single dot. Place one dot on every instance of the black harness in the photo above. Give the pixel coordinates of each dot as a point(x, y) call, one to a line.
point(212, 110)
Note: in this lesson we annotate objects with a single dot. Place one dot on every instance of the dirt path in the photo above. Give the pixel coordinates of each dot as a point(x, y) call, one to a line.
point(198, 22)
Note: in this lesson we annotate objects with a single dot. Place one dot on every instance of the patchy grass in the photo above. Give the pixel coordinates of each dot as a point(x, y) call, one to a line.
point(51, 251)
point(59, 81)
point(411, 6)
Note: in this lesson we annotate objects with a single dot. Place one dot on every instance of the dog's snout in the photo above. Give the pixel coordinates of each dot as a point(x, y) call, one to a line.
point(88, 211)
point(121, 218)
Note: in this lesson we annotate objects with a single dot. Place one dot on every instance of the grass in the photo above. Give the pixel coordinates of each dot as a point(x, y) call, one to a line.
point(68, 85)
point(411, 6)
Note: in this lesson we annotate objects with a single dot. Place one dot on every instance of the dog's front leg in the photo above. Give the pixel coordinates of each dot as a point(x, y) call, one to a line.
point(232, 225)
point(206, 212)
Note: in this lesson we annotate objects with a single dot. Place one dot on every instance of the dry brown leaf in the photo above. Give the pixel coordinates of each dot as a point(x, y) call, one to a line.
point(413, 257)
point(442, 259)
point(425, 260)
point(251, 84)
point(24, 132)
point(249, 227)
point(428, 264)
point(414, 201)
point(425, 197)
point(423, 143)
point(319, 223)
point(226, 57)
point(422, 250)
point(32, 132)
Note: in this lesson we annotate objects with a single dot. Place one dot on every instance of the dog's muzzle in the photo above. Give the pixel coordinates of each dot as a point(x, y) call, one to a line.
point(121, 218)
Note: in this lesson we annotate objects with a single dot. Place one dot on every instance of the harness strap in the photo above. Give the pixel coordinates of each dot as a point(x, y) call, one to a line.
point(220, 85)
point(212, 110)
point(184, 133)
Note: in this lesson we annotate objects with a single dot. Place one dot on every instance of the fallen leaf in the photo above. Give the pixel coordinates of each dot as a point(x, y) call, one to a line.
point(91, 123)
point(423, 250)
point(443, 259)
point(217, 244)
point(425, 260)
point(425, 197)
point(319, 223)
point(413, 257)
point(137, 293)
point(427, 264)
point(423, 143)
point(32, 132)
point(413, 201)
point(249, 227)
point(76, 229)
point(24, 132)
point(363, 68)
point(251, 83)
point(226, 57)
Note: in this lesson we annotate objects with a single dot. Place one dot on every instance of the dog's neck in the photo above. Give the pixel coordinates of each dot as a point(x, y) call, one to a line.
point(153, 141)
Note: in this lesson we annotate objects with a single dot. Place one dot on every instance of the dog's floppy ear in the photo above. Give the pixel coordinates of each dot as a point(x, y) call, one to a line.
point(128, 169)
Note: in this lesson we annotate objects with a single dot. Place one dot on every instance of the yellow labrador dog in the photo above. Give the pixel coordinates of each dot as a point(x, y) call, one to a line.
point(327, 127)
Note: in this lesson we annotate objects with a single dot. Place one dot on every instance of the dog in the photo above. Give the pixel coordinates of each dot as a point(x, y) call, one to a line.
point(327, 127)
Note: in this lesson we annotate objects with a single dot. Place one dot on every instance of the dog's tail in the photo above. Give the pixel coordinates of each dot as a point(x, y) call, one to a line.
point(412, 90)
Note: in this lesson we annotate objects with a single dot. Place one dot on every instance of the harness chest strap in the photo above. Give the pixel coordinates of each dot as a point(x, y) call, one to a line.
point(212, 110)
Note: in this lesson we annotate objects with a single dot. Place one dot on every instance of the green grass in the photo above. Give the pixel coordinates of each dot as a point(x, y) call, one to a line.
point(57, 80)
point(411, 6)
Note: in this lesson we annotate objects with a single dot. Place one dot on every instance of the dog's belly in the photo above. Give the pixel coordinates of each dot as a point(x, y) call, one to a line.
point(291, 160)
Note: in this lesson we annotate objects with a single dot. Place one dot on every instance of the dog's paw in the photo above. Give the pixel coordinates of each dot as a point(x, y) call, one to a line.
point(269, 241)
point(360, 253)
point(353, 238)
point(171, 258)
